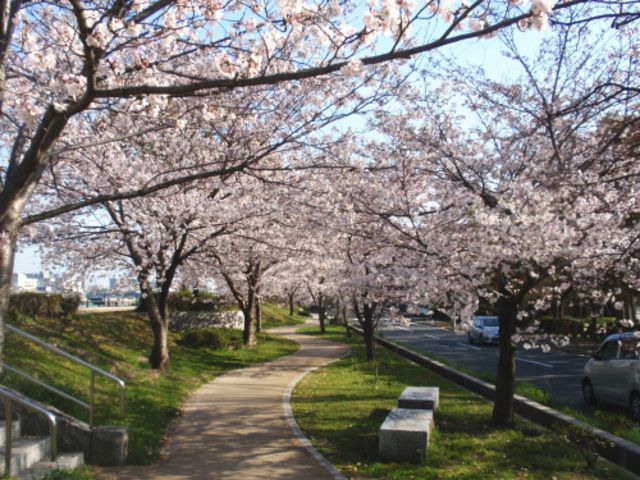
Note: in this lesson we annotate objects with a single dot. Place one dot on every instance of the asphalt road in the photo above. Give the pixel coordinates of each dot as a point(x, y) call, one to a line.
point(557, 373)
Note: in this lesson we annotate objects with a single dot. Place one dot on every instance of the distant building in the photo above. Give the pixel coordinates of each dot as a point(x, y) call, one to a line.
point(43, 283)
point(24, 282)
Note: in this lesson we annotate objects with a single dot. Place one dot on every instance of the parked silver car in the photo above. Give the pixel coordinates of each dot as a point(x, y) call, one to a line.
point(484, 330)
point(613, 373)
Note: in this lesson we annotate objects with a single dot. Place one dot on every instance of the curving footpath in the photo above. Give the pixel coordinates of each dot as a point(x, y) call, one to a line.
point(239, 425)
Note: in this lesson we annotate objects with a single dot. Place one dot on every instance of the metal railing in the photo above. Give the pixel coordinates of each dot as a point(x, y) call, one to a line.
point(10, 397)
point(93, 371)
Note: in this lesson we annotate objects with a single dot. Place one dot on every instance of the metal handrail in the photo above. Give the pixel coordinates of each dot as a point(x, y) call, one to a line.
point(92, 378)
point(9, 396)
point(46, 386)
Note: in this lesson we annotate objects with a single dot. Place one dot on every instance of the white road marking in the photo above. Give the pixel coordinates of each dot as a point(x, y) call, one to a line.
point(535, 363)
point(468, 346)
point(431, 336)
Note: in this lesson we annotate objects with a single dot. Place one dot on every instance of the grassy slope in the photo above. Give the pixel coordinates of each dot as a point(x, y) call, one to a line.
point(119, 342)
point(342, 406)
point(275, 316)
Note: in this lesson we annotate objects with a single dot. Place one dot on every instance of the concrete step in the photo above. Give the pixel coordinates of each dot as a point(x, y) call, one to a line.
point(25, 452)
point(15, 429)
point(65, 461)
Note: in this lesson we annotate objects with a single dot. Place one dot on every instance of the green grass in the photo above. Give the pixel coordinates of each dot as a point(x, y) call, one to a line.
point(341, 407)
point(120, 342)
point(608, 418)
point(83, 473)
point(276, 316)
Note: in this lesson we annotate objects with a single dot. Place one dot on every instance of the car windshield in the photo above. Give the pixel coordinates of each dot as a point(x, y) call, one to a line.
point(490, 322)
point(629, 349)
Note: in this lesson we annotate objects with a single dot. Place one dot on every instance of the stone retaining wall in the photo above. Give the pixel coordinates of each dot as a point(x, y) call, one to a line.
point(186, 320)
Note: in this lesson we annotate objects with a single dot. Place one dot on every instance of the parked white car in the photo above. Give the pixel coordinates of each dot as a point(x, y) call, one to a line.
point(484, 330)
point(613, 373)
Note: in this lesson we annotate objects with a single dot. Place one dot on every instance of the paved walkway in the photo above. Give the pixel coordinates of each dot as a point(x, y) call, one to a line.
point(236, 428)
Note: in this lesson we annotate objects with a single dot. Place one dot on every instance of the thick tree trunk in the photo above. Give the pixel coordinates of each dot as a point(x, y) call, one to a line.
point(248, 334)
point(159, 357)
point(258, 315)
point(7, 255)
point(506, 372)
point(291, 306)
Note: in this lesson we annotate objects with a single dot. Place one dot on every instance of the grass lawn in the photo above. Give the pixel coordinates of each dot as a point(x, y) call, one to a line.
point(275, 316)
point(341, 407)
point(119, 342)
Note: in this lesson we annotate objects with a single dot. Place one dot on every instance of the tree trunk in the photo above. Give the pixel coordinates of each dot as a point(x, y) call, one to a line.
point(258, 315)
point(159, 358)
point(593, 328)
point(291, 309)
point(322, 316)
point(344, 320)
point(369, 330)
point(369, 340)
point(7, 256)
point(365, 317)
point(248, 334)
point(506, 372)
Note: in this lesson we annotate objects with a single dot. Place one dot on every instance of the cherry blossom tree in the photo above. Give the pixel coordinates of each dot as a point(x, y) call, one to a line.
point(239, 132)
point(260, 247)
point(351, 263)
point(151, 237)
point(526, 199)
point(62, 64)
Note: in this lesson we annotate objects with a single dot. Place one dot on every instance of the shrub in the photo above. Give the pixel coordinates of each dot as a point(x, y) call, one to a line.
point(212, 337)
point(304, 313)
point(42, 305)
point(585, 441)
point(184, 301)
point(69, 305)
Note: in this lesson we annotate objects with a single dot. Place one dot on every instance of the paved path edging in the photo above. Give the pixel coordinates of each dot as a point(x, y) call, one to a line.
point(297, 431)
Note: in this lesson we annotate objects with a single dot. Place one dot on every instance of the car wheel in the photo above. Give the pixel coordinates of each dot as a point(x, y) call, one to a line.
point(587, 393)
point(634, 405)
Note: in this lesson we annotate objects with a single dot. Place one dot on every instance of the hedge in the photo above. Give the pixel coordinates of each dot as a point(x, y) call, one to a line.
point(216, 338)
point(186, 301)
point(36, 304)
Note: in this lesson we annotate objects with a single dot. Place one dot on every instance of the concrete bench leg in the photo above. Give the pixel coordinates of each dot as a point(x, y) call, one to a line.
point(427, 398)
point(404, 435)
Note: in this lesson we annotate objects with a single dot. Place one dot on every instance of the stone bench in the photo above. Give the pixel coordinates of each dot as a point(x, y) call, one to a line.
point(404, 435)
point(422, 398)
